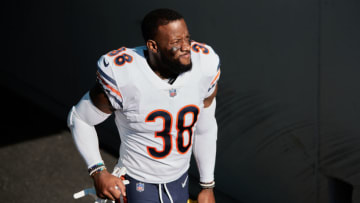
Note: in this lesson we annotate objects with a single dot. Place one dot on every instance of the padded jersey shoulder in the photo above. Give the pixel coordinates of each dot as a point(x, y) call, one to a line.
point(116, 64)
point(206, 56)
point(114, 72)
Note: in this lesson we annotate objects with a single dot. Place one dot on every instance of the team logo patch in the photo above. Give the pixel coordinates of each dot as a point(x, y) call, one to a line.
point(172, 92)
point(106, 63)
point(140, 187)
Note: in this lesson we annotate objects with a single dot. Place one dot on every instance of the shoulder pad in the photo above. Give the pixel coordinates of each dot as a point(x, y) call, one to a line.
point(116, 64)
point(120, 57)
point(207, 57)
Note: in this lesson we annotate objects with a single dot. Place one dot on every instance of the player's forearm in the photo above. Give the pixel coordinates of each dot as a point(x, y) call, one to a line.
point(85, 139)
point(81, 121)
point(204, 148)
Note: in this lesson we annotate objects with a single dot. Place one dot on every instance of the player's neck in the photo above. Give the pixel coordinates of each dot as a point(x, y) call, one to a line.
point(156, 67)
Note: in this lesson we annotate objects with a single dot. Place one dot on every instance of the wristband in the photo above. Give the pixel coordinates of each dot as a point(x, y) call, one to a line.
point(96, 168)
point(209, 185)
point(91, 168)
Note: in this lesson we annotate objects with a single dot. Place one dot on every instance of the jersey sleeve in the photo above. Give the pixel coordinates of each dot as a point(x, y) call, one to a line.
point(210, 65)
point(215, 78)
point(106, 78)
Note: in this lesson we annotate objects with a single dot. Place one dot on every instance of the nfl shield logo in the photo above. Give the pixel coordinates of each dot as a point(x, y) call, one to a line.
point(172, 92)
point(140, 187)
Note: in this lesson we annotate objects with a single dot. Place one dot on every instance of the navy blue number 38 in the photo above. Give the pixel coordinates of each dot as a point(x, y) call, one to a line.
point(165, 133)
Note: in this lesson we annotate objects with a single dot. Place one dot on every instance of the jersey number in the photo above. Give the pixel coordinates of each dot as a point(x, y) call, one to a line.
point(120, 59)
point(165, 133)
point(197, 47)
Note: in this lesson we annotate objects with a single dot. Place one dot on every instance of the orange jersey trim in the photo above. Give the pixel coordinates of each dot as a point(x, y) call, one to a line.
point(108, 86)
point(216, 77)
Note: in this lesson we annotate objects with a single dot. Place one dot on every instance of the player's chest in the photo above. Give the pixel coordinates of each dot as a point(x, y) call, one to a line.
point(151, 108)
point(143, 98)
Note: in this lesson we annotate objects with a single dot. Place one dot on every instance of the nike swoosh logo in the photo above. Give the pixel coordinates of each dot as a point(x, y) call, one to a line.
point(184, 183)
point(106, 63)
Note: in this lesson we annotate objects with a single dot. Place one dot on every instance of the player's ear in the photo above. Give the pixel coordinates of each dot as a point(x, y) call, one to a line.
point(152, 46)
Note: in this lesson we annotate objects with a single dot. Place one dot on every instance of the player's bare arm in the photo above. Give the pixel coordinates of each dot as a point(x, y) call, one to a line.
point(206, 196)
point(100, 100)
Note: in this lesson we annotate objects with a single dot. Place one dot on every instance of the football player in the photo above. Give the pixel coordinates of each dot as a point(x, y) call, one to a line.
point(163, 98)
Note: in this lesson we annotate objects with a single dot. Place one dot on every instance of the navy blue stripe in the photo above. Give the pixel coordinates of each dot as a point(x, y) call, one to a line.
point(116, 100)
point(107, 77)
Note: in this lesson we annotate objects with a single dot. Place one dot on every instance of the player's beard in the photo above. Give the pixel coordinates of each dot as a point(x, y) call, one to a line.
point(169, 68)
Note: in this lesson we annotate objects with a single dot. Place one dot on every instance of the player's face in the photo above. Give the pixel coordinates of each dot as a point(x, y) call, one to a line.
point(174, 44)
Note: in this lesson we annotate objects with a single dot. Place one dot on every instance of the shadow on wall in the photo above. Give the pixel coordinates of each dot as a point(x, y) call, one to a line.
point(24, 120)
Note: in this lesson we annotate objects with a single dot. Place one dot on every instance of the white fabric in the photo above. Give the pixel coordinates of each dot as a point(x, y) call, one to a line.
point(150, 112)
point(160, 194)
point(81, 121)
point(88, 112)
point(168, 193)
point(204, 147)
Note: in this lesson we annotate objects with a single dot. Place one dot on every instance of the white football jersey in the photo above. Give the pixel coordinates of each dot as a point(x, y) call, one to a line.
point(156, 120)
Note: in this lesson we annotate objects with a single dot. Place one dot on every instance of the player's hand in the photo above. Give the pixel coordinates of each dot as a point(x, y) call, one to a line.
point(206, 196)
point(108, 186)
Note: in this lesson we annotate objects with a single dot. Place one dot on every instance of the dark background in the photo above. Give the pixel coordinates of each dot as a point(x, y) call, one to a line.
point(288, 102)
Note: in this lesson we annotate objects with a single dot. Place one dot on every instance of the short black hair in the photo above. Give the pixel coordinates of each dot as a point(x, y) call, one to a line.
point(155, 18)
